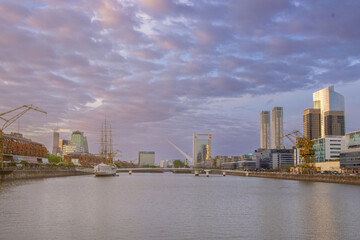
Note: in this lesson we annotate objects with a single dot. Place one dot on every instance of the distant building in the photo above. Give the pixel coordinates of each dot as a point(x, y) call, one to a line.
point(311, 124)
point(80, 140)
point(328, 100)
point(328, 148)
point(220, 160)
point(56, 149)
point(166, 163)
point(71, 148)
point(202, 149)
point(265, 129)
point(146, 159)
point(62, 143)
point(277, 127)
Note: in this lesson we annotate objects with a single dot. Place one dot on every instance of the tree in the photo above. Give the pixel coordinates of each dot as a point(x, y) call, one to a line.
point(178, 164)
point(53, 158)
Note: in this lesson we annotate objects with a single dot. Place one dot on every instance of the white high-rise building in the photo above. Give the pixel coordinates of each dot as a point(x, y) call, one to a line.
point(277, 127)
point(328, 100)
point(265, 130)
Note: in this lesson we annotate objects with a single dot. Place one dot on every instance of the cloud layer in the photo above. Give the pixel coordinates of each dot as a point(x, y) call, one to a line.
point(160, 69)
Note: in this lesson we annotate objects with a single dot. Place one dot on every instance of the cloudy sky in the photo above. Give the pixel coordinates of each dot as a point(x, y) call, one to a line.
point(159, 69)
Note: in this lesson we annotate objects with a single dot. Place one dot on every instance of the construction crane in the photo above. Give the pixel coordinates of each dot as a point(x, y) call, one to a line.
point(305, 146)
point(11, 120)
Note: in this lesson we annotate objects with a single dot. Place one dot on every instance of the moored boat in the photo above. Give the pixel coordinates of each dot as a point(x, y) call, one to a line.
point(103, 169)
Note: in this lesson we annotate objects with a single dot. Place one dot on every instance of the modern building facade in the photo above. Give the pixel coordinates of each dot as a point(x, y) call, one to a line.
point(327, 100)
point(334, 123)
point(311, 124)
point(328, 148)
point(146, 159)
point(202, 149)
point(265, 130)
point(282, 158)
point(350, 157)
point(277, 127)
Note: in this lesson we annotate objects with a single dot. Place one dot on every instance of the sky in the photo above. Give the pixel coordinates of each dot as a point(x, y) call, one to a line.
point(166, 69)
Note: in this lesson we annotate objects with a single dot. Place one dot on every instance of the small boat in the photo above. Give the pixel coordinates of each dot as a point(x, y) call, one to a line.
point(103, 169)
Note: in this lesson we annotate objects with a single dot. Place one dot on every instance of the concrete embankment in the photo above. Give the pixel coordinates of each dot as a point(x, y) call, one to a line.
point(345, 179)
point(16, 174)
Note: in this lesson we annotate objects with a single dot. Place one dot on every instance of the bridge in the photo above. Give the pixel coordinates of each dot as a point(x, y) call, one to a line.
point(194, 171)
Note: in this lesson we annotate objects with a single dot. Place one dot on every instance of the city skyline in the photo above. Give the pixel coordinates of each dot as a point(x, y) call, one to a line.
point(167, 69)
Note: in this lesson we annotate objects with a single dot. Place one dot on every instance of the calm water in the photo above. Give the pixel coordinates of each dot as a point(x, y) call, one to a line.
point(176, 206)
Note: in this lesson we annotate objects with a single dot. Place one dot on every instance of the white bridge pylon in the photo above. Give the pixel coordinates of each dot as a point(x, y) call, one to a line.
point(182, 152)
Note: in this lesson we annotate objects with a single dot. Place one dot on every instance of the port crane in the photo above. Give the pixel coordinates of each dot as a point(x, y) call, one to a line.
point(10, 120)
point(306, 151)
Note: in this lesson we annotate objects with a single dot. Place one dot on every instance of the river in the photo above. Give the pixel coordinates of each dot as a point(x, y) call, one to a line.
point(177, 206)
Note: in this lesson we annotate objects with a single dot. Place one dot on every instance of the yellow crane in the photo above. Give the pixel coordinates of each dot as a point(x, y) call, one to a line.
point(11, 120)
point(306, 151)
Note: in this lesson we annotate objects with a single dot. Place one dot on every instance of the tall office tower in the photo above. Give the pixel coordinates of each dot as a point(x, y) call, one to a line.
point(86, 147)
point(327, 100)
point(277, 127)
point(311, 123)
point(55, 150)
point(265, 129)
point(334, 123)
point(77, 138)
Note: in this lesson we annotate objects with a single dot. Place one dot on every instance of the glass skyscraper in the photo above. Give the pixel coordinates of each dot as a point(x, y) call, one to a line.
point(331, 104)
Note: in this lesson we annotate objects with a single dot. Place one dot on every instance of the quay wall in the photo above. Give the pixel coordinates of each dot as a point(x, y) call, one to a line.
point(8, 175)
point(345, 179)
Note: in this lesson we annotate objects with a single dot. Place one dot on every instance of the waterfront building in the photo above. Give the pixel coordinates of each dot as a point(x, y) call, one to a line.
point(311, 124)
point(328, 100)
point(146, 159)
point(263, 158)
point(282, 157)
point(82, 159)
point(202, 149)
point(350, 157)
point(56, 149)
point(352, 140)
point(17, 148)
point(328, 148)
point(265, 130)
point(277, 127)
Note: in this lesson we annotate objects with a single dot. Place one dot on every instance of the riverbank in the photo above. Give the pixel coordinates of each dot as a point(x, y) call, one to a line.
point(344, 179)
point(15, 174)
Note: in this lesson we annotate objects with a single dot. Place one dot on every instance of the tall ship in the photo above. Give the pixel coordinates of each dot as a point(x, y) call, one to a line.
point(107, 167)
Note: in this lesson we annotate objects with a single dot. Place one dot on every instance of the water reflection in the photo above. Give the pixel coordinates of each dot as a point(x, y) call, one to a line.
point(170, 206)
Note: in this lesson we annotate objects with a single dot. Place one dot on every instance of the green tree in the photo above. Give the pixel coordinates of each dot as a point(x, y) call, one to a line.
point(178, 164)
point(53, 159)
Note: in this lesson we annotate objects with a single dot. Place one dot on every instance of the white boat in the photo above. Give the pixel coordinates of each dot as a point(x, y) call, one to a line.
point(103, 169)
